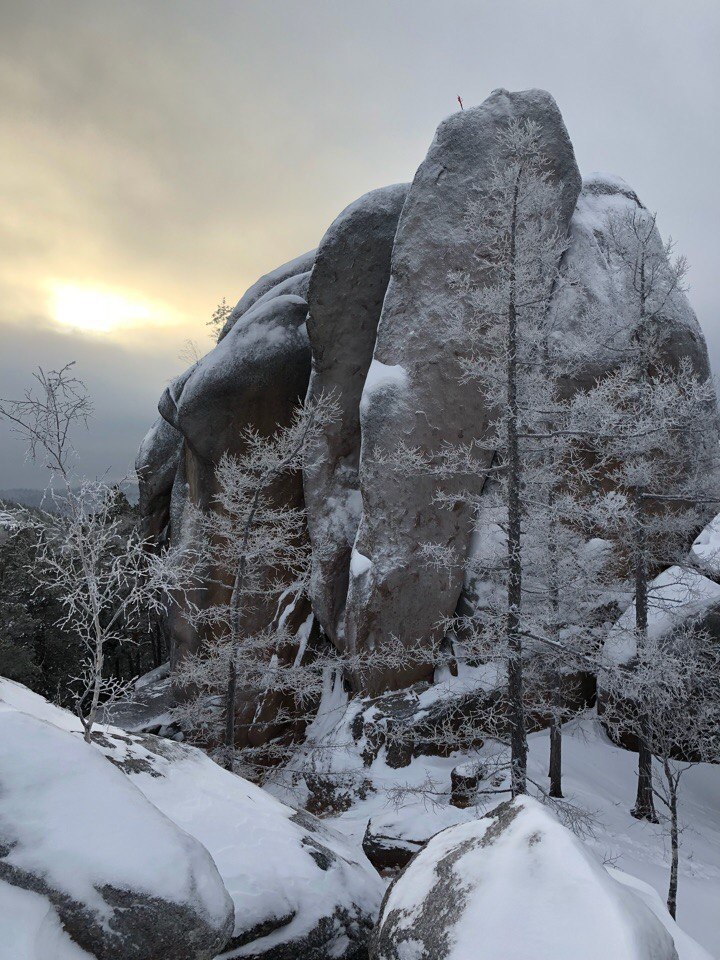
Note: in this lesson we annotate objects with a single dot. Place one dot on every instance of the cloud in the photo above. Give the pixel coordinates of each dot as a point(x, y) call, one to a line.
point(176, 150)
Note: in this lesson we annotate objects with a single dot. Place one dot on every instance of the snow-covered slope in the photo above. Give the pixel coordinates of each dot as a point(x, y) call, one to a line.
point(599, 777)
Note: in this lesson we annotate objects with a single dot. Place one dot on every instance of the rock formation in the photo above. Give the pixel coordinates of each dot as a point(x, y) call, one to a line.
point(345, 297)
point(367, 311)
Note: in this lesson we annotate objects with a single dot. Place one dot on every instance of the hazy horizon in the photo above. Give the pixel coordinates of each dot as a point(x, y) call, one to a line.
point(158, 157)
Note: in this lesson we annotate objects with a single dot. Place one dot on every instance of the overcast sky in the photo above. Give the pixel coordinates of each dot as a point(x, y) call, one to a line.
point(158, 155)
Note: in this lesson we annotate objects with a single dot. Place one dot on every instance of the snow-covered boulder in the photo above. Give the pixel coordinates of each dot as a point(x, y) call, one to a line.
point(705, 551)
point(602, 285)
point(418, 396)
point(283, 279)
point(345, 297)
point(81, 846)
point(300, 890)
point(513, 885)
point(675, 596)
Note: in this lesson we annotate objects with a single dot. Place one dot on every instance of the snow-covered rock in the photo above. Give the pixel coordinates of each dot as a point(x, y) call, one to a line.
point(156, 464)
point(255, 377)
point(426, 403)
point(121, 877)
point(512, 885)
point(273, 283)
point(601, 288)
point(705, 551)
point(299, 889)
point(347, 287)
point(675, 596)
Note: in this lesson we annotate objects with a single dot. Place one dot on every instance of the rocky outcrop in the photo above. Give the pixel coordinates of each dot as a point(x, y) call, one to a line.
point(254, 377)
point(520, 884)
point(601, 290)
point(345, 296)
point(121, 878)
point(370, 307)
point(415, 394)
point(156, 465)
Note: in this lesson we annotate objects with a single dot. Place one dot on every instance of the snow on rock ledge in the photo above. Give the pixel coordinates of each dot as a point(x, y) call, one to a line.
point(513, 885)
point(299, 889)
point(97, 857)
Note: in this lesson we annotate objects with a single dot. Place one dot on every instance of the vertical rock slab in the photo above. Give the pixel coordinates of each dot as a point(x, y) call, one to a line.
point(345, 297)
point(413, 393)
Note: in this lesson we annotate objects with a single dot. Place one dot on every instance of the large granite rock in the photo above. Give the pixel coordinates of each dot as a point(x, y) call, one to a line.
point(414, 393)
point(601, 298)
point(288, 278)
point(512, 885)
point(255, 377)
point(345, 296)
point(122, 879)
point(156, 465)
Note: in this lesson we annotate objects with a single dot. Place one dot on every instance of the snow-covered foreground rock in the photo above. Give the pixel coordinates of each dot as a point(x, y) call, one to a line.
point(122, 879)
point(513, 885)
point(407, 805)
point(299, 889)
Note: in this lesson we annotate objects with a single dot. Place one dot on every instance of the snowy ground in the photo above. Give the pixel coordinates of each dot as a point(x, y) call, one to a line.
point(599, 777)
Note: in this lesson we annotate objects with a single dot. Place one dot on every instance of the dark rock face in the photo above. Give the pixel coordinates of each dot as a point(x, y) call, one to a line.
point(345, 296)
point(254, 377)
point(388, 853)
point(156, 466)
point(414, 394)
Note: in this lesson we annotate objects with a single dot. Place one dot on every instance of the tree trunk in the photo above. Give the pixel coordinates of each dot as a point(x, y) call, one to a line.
point(675, 848)
point(518, 738)
point(644, 808)
point(230, 713)
point(556, 739)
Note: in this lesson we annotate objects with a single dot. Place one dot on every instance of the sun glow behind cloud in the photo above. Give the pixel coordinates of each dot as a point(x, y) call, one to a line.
point(102, 310)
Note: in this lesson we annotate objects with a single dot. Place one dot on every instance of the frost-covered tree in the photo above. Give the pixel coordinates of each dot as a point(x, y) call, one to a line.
point(103, 574)
point(649, 453)
point(514, 358)
point(257, 545)
point(219, 318)
point(670, 699)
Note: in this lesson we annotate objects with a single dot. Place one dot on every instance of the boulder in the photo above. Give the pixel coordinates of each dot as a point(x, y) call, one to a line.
point(345, 296)
point(300, 890)
point(414, 394)
point(262, 288)
point(121, 878)
point(156, 465)
point(601, 290)
point(512, 885)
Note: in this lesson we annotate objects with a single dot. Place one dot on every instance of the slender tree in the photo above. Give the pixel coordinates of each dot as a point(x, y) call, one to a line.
point(104, 575)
